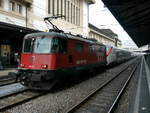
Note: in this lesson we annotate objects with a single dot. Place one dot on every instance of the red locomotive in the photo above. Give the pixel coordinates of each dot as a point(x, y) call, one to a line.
point(47, 58)
point(50, 58)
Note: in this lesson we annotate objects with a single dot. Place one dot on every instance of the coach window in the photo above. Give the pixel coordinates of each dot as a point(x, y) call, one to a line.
point(118, 54)
point(79, 47)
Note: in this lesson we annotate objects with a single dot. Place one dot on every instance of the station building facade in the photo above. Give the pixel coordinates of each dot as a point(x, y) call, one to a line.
point(30, 13)
point(105, 36)
point(20, 17)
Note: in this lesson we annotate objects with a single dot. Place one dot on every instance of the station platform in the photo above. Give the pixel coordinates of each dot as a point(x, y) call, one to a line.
point(6, 71)
point(141, 100)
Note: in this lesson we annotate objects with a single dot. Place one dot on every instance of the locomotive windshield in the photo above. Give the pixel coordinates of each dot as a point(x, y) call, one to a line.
point(44, 45)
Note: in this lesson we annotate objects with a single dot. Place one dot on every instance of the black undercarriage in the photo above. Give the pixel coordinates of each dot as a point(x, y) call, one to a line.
point(37, 79)
point(47, 79)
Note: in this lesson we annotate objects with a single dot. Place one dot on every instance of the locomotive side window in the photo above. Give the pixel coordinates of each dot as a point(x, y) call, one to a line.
point(55, 45)
point(59, 45)
point(63, 45)
point(101, 49)
point(79, 47)
point(92, 49)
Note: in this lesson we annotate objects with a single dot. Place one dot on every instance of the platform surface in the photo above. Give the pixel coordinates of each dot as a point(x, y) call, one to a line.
point(141, 100)
point(5, 72)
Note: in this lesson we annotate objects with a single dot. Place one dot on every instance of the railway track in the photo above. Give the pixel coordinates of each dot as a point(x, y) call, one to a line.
point(105, 98)
point(17, 98)
point(13, 100)
point(6, 80)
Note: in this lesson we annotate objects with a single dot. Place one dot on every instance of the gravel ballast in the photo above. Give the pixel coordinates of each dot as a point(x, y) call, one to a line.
point(61, 100)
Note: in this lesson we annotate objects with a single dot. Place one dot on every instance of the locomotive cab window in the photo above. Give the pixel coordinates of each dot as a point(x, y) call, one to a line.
point(39, 44)
point(44, 44)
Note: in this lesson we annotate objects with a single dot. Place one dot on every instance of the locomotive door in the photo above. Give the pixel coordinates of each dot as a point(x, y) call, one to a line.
point(70, 58)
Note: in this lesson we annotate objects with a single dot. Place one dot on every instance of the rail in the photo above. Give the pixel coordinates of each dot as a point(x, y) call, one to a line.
point(79, 104)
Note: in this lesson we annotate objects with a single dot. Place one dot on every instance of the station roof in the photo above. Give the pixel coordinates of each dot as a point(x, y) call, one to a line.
point(134, 16)
point(11, 27)
point(11, 31)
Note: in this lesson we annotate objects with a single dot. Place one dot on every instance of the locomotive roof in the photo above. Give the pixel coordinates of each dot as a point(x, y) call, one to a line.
point(63, 35)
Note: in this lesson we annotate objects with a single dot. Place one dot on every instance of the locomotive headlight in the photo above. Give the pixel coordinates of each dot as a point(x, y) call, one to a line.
point(22, 65)
point(44, 66)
